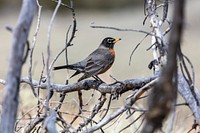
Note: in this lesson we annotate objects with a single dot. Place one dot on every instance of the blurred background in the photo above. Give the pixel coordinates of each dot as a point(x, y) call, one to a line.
point(116, 13)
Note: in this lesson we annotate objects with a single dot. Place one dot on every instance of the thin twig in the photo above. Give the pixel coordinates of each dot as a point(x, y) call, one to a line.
point(169, 28)
point(80, 106)
point(165, 10)
point(62, 4)
point(132, 122)
point(190, 79)
point(118, 29)
point(136, 109)
point(40, 81)
point(192, 68)
point(181, 104)
point(65, 124)
point(23, 115)
point(59, 53)
point(49, 53)
point(74, 23)
point(95, 110)
point(62, 98)
point(90, 99)
point(139, 125)
point(136, 48)
point(108, 106)
point(33, 124)
point(33, 47)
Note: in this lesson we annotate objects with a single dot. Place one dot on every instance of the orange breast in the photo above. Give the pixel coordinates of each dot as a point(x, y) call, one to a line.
point(105, 69)
point(112, 51)
point(110, 61)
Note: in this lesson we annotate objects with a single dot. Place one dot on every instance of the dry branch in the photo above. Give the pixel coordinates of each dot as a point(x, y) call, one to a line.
point(184, 90)
point(33, 124)
point(48, 70)
point(53, 115)
point(20, 35)
point(130, 84)
point(50, 122)
point(123, 108)
point(33, 46)
point(164, 94)
point(95, 110)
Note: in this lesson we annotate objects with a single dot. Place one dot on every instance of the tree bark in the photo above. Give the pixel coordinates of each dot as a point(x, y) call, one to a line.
point(11, 90)
point(164, 93)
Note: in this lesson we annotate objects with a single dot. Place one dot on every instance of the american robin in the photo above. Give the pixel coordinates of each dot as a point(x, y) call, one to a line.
point(97, 62)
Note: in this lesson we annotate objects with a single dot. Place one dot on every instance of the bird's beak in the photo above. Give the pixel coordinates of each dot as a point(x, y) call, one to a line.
point(117, 40)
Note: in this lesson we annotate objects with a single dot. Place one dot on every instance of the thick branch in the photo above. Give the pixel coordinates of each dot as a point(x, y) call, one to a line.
point(20, 35)
point(124, 86)
point(184, 90)
point(130, 84)
point(158, 41)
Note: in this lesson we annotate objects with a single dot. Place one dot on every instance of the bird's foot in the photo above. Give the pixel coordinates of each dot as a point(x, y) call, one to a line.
point(117, 82)
point(98, 79)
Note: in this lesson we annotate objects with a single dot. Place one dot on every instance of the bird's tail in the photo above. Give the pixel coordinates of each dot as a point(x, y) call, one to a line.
point(68, 67)
point(64, 67)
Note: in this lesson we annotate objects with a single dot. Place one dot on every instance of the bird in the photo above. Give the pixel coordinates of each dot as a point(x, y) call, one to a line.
point(98, 62)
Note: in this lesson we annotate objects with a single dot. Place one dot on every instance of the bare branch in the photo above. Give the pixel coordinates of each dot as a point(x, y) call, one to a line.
point(95, 110)
point(132, 122)
point(80, 106)
point(108, 106)
point(32, 124)
point(58, 55)
point(20, 35)
point(136, 48)
point(130, 84)
point(62, 4)
point(50, 121)
point(49, 53)
point(51, 116)
point(159, 45)
point(186, 93)
point(74, 23)
point(33, 47)
point(165, 10)
point(122, 109)
point(165, 91)
point(118, 29)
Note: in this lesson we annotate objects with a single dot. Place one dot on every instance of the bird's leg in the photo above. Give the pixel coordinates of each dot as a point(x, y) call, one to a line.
point(98, 79)
point(116, 81)
point(95, 78)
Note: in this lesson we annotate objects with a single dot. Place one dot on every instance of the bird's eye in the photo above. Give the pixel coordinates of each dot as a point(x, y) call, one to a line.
point(110, 41)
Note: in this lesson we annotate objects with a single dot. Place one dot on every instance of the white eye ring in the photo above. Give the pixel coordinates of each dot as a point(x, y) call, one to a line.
point(109, 41)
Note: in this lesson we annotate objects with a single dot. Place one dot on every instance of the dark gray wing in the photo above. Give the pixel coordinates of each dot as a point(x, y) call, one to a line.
point(98, 61)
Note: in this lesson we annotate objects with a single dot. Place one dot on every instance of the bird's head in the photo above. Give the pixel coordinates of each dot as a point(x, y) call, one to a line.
point(109, 42)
